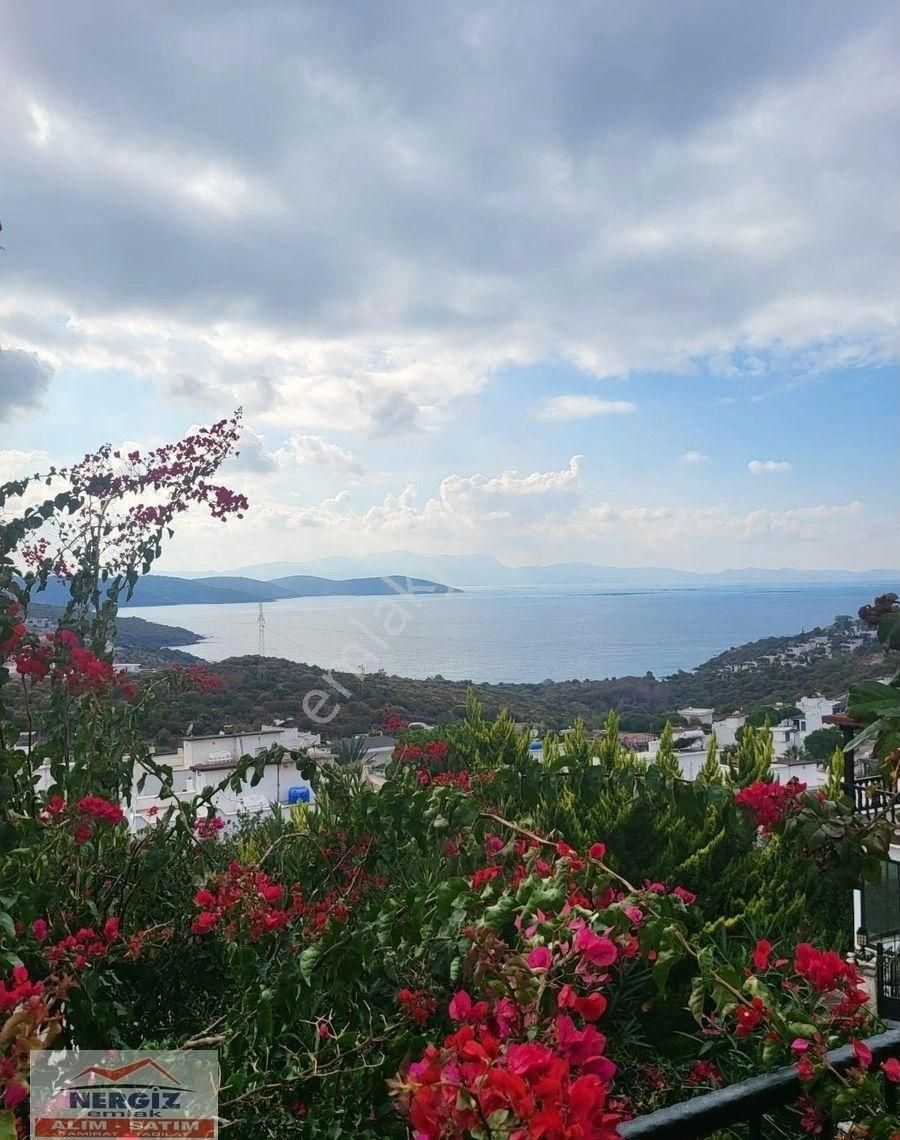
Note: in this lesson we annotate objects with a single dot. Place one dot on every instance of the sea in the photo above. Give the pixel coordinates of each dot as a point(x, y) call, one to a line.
point(515, 634)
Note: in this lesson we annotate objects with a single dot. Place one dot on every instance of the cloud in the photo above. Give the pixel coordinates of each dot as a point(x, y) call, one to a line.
point(362, 238)
point(694, 457)
point(581, 408)
point(768, 466)
point(252, 455)
point(539, 516)
point(24, 380)
point(312, 449)
point(15, 464)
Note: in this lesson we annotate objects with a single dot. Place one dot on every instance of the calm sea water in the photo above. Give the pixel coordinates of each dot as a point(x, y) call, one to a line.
point(516, 635)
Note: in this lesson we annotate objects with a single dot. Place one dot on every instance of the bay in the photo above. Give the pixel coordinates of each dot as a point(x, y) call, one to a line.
point(516, 635)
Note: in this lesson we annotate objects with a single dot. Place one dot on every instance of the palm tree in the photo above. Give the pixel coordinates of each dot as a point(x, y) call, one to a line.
point(350, 750)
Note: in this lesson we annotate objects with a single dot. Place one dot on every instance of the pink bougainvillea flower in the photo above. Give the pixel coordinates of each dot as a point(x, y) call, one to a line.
point(462, 1008)
point(540, 958)
point(597, 949)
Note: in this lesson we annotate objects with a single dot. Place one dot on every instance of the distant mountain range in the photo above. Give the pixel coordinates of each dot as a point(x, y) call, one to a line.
point(468, 570)
point(162, 590)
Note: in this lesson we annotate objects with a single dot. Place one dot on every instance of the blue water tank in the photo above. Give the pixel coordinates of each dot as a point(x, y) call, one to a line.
point(298, 795)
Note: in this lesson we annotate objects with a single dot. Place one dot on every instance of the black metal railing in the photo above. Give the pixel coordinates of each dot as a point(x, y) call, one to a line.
point(887, 976)
point(871, 795)
point(750, 1102)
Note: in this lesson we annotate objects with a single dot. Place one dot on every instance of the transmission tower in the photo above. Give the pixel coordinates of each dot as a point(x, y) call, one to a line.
point(261, 642)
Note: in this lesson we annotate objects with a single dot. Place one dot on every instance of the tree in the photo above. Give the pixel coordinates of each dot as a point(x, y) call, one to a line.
point(885, 605)
point(821, 743)
point(771, 715)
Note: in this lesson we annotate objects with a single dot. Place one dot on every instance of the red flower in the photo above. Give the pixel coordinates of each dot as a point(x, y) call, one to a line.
point(208, 827)
point(55, 806)
point(761, 953)
point(417, 1005)
point(204, 922)
point(891, 1070)
point(805, 1070)
point(687, 897)
point(462, 1008)
point(750, 1017)
point(599, 951)
point(770, 802)
point(482, 876)
point(704, 1073)
point(863, 1054)
point(825, 970)
point(598, 851)
point(540, 958)
point(591, 1007)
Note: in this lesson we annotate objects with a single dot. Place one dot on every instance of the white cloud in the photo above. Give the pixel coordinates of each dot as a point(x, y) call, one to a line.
point(252, 456)
point(492, 199)
point(768, 466)
point(581, 408)
point(313, 449)
point(16, 464)
point(695, 457)
point(540, 517)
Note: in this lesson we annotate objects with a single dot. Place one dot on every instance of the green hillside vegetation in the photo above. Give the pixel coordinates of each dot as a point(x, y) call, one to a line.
point(249, 696)
point(162, 590)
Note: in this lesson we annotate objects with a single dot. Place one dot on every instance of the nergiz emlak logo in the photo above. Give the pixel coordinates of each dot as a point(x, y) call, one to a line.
point(143, 1088)
point(124, 1093)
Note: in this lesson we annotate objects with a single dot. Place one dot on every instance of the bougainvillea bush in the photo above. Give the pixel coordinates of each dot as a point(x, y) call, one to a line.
point(484, 947)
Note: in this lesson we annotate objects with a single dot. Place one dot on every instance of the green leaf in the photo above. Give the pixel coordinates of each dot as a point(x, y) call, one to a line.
point(697, 1000)
point(447, 893)
point(306, 963)
point(500, 914)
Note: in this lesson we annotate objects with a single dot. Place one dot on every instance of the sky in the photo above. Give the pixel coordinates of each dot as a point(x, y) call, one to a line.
point(602, 281)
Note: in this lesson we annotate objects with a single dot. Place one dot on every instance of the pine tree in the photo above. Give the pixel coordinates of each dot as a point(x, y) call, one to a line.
point(711, 772)
point(666, 760)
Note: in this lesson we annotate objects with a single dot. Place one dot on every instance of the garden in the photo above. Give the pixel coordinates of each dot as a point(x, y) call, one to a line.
point(485, 947)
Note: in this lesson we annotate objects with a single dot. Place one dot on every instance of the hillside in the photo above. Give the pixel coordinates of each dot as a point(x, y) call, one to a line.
point(482, 570)
point(643, 703)
point(147, 643)
point(161, 590)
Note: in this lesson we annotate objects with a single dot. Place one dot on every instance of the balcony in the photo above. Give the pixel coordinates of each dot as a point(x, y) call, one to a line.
point(750, 1103)
point(872, 796)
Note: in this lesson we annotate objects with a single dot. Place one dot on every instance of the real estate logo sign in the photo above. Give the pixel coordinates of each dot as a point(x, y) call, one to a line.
point(124, 1093)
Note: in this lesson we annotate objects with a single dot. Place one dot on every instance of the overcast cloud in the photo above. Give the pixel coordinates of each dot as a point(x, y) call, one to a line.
point(351, 217)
